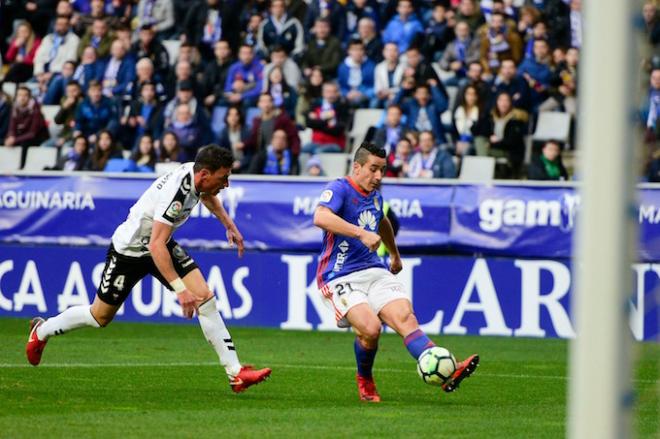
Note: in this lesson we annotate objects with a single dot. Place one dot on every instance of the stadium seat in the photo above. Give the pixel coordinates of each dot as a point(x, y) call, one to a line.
point(172, 47)
point(10, 158)
point(302, 160)
point(552, 125)
point(334, 164)
point(40, 157)
point(164, 168)
point(49, 112)
point(477, 169)
point(363, 119)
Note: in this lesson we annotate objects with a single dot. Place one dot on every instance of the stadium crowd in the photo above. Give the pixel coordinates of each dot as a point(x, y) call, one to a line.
point(282, 82)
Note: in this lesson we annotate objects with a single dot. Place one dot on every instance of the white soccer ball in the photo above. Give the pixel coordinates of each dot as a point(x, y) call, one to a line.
point(436, 365)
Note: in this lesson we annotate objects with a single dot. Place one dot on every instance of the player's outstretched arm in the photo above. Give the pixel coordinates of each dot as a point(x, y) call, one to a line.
point(213, 204)
point(160, 234)
point(333, 223)
point(386, 232)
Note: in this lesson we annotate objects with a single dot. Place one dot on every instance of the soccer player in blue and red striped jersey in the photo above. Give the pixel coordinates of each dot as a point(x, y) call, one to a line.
point(355, 281)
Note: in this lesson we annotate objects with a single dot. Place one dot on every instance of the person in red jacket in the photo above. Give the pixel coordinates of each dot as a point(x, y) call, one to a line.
point(27, 126)
point(328, 121)
point(263, 127)
point(20, 54)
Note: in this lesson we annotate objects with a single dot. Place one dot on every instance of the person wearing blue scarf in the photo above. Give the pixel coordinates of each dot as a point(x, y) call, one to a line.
point(275, 159)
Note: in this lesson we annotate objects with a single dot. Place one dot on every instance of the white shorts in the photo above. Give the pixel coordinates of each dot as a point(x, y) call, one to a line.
point(374, 286)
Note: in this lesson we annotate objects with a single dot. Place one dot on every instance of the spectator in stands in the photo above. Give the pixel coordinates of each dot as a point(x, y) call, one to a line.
point(356, 76)
point(76, 158)
point(5, 113)
point(328, 120)
point(314, 167)
point(280, 29)
point(499, 43)
point(57, 85)
point(539, 32)
point(157, 13)
point(145, 116)
point(576, 23)
point(148, 46)
point(95, 113)
point(368, 34)
point(528, 17)
point(387, 76)
point(276, 158)
point(233, 137)
point(66, 115)
point(27, 126)
point(459, 53)
point(270, 120)
point(424, 110)
point(388, 136)
point(653, 175)
point(398, 161)
point(500, 133)
point(404, 29)
point(356, 10)
point(310, 92)
point(323, 51)
point(183, 72)
point(144, 156)
point(244, 79)
point(250, 33)
point(55, 49)
point(21, 53)
point(444, 165)
point(188, 130)
point(548, 165)
point(651, 109)
point(469, 12)
point(98, 36)
point(39, 14)
point(144, 70)
point(90, 68)
point(563, 85)
point(184, 95)
point(118, 72)
point(333, 11)
point(437, 34)
point(421, 163)
point(83, 20)
point(209, 21)
point(465, 117)
point(421, 70)
point(652, 22)
point(291, 71)
point(284, 97)
point(215, 74)
point(508, 81)
point(475, 79)
point(105, 149)
point(536, 71)
point(170, 151)
point(124, 34)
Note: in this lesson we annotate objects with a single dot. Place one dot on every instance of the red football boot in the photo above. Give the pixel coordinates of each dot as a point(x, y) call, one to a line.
point(463, 370)
point(35, 347)
point(367, 389)
point(247, 377)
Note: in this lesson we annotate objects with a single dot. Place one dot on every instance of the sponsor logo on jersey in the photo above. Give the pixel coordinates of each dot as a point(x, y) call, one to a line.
point(326, 196)
point(186, 184)
point(341, 256)
point(376, 203)
point(367, 220)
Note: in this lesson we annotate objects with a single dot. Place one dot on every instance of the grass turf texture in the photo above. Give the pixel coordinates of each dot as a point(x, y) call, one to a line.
point(148, 380)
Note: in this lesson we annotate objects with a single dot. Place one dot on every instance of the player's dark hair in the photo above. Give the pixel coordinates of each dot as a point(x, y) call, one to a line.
point(366, 149)
point(213, 157)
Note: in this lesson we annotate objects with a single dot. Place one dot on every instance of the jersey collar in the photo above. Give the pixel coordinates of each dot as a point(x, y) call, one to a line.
point(357, 187)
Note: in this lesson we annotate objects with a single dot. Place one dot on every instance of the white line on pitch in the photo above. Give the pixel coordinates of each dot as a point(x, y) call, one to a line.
point(276, 365)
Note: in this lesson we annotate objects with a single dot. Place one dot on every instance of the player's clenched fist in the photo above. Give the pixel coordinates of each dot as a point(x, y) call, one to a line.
point(371, 240)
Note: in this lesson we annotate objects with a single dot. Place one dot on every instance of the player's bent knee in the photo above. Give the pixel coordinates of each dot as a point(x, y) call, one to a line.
point(372, 331)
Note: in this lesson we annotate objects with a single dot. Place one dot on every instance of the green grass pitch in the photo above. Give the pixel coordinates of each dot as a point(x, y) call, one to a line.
point(148, 380)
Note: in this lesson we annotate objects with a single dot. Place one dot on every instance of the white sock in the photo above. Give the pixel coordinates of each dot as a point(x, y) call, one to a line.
point(72, 318)
point(216, 333)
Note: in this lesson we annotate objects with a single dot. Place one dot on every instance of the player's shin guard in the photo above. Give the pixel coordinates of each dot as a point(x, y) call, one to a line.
point(364, 358)
point(217, 334)
point(417, 342)
point(72, 318)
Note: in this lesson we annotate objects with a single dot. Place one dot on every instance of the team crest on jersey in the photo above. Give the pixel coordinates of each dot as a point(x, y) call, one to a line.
point(179, 252)
point(326, 196)
point(376, 203)
point(186, 184)
point(367, 220)
point(175, 209)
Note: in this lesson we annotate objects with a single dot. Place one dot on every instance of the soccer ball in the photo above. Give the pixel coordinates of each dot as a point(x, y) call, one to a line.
point(436, 365)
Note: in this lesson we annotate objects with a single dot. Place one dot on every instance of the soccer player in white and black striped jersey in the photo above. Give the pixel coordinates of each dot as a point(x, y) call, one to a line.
point(143, 245)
